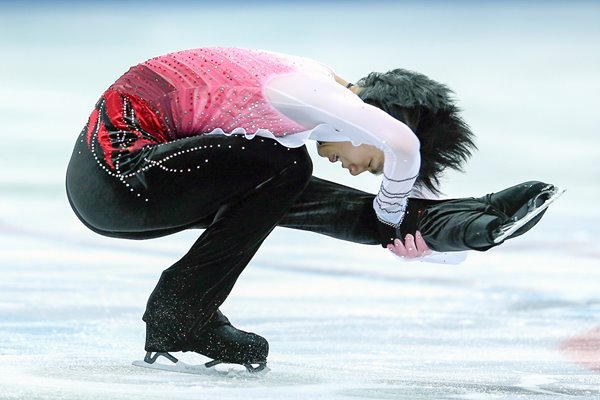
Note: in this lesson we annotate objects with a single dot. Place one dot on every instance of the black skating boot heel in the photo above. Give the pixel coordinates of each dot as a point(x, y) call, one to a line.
point(158, 341)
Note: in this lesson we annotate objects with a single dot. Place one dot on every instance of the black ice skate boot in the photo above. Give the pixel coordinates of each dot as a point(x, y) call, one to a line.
point(518, 209)
point(524, 204)
point(224, 343)
point(218, 340)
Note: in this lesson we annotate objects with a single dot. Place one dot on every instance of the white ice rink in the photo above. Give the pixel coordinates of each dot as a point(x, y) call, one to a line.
point(344, 321)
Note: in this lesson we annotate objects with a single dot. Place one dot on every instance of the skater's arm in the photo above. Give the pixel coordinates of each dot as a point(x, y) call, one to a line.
point(318, 101)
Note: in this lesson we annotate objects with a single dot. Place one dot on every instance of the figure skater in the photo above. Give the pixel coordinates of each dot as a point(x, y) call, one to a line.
point(214, 139)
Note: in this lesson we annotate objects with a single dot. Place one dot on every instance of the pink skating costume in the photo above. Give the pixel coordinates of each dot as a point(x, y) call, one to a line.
point(254, 93)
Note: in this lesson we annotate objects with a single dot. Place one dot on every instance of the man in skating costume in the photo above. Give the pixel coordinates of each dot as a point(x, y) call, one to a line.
point(213, 138)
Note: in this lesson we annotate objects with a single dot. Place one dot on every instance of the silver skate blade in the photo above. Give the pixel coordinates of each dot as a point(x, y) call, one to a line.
point(518, 224)
point(172, 364)
point(179, 366)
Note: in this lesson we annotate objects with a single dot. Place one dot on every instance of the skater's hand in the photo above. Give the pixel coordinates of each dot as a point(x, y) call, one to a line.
point(413, 247)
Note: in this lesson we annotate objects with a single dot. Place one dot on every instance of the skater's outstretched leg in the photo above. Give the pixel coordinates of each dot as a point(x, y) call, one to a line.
point(447, 225)
point(335, 210)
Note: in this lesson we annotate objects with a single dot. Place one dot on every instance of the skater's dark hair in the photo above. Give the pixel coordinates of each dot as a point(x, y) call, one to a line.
point(427, 107)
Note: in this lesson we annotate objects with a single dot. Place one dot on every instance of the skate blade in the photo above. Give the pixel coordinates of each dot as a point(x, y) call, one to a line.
point(179, 367)
point(517, 225)
point(175, 365)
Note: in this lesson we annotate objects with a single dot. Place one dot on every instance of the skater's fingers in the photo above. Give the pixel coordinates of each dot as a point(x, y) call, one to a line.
point(411, 247)
point(397, 248)
point(422, 247)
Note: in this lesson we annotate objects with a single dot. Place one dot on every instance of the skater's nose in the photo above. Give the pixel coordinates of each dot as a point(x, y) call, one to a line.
point(354, 169)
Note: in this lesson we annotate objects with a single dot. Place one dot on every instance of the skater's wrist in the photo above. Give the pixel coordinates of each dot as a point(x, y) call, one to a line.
point(387, 234)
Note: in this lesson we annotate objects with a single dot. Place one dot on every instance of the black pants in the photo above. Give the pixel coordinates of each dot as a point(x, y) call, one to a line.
point(238, 190)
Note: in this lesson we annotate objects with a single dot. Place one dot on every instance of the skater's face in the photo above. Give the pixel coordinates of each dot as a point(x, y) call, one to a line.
point(356, 159)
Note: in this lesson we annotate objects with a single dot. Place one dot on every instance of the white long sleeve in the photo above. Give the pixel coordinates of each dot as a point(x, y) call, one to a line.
point(333, 113)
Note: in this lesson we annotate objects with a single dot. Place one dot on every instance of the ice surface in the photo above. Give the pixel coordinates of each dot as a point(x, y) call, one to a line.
point(344, 321)
point(343, 324)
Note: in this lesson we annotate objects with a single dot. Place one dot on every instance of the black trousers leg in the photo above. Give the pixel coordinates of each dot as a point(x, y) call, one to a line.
point(334, 210)
point(238, 188)
point(190, 291)
point(346, 213)
point(446, 225)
